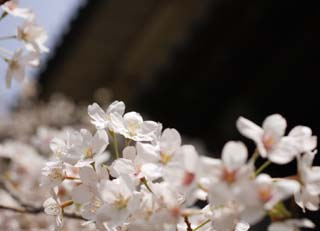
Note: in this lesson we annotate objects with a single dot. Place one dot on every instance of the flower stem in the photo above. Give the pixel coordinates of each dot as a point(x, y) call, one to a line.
point(66, 204)
point(115, 144)
point(3, 15)
point(201, 225)
point(254, 156)
point(143, 180)
point(262, 167)
point(71, 178)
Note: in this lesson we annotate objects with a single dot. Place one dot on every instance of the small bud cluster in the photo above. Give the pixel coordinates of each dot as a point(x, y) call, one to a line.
point(131, 174)
point(32, 35)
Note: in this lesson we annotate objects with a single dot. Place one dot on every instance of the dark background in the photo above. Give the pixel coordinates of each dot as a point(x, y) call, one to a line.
point(196, 65)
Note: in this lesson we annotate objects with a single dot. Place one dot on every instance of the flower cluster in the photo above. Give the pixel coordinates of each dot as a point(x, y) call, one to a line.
point(131, 174)
point(32, 35)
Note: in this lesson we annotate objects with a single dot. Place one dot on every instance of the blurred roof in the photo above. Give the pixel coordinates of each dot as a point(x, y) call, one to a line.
point(117, 44)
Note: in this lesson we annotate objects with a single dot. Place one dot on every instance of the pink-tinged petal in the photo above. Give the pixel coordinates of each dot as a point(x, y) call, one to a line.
point(275, 124)
point(81, 194)
point(88, 176)
point(234, 155)
point(170, 141)
point(129, 153)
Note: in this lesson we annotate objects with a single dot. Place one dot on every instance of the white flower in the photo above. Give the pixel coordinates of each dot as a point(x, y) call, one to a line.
point(11, 7)
point(182, 172)
point(309, 176)
point(17, 65)
point(54, 174)
point(101, 118)
point(120, 200)
point(303, 139)
point(80, 148)
point(263, 195)
point(230, 175)
point(270, 139)
point(53, 208)
point(132, 126)
point(226, 218)
point(291, 225)
point(234, 158)
point(33, 35)
point(162, 151)
point(134, 165)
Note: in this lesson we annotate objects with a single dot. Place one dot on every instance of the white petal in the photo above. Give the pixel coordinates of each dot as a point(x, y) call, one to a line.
point(170, 141)
point(280, 226)
point(304, 139)
point(116, 107)
point(100, 141)
point(283, 189)
point(234, 155)
point(275, 124)
point(88, 176)
point(252, 131)
point(147, 152)
point(191, 158)
point(242, 226)
point(149, 131)
point(122, 166)
point(301, 223)
point(98, 116)
point(133, 120)
point(284, 151)
point(151, 171)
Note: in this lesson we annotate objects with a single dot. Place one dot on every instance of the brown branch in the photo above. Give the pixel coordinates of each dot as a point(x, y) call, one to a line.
point(27, 208)
point(186, 220)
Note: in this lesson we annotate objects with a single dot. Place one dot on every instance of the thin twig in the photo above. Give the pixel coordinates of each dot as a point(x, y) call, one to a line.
point(27, 208)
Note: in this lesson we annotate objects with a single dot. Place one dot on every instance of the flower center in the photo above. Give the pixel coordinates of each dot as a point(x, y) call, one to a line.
point(56, 174)
point(188, 178)
point(268, 141)
point(121, 202)
point(88, 153)
point(165, 158)
point(229, 176)
point(265, 193)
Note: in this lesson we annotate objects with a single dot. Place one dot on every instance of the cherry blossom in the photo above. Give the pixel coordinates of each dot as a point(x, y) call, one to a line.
point(271, 142)
point(309, 176)
point(17, 65)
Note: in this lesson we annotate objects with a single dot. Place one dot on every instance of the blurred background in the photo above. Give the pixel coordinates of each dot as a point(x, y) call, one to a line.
point(192, 65)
